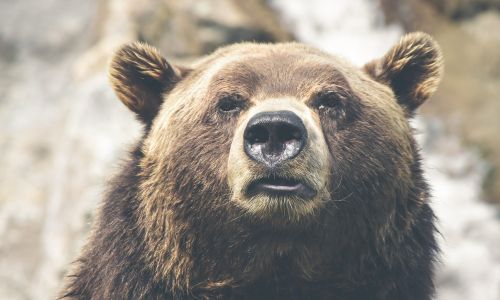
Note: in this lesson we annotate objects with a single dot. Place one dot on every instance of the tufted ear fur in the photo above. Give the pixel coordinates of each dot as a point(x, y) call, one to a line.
point(140, 76)
point(412, 68)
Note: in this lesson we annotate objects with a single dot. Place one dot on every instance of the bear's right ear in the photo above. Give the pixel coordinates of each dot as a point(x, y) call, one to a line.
point(140, 76)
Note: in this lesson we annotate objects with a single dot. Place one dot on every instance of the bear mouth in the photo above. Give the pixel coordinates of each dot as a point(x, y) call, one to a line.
point(280, 187)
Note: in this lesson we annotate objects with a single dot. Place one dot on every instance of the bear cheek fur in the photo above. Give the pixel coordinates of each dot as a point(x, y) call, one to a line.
point(372, 156)
point(191, 148)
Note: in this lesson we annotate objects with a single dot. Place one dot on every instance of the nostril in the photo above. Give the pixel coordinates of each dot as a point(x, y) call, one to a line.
point(286, 133)
point(257, 135)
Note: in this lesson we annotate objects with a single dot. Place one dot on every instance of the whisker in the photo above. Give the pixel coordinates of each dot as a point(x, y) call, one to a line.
point(343, 199)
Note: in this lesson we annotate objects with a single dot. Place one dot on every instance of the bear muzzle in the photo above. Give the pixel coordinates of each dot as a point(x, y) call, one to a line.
point(272, 138)
point(279, 163)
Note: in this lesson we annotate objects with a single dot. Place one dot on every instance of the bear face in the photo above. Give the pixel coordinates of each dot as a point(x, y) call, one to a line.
point(274, 167)
point(358, 143)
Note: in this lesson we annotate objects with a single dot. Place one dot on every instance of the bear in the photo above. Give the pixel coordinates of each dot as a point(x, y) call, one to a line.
point(267, 171)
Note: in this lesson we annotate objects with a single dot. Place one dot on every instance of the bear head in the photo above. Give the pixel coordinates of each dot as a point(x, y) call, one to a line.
point(276, 141)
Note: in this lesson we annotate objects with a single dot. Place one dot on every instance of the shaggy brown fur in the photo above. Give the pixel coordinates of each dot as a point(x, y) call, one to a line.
point(175, 225)
point(413, 69)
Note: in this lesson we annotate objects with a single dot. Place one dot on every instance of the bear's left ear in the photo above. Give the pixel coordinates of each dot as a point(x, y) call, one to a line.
point(140, 77)
point(412, 68)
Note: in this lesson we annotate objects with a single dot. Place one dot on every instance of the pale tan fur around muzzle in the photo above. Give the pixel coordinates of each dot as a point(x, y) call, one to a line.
point(311, 166)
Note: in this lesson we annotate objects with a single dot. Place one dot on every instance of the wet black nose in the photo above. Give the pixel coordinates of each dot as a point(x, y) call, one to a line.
point(274, 137)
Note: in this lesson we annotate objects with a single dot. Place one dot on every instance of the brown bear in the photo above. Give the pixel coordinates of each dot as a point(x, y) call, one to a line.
point(268, 171)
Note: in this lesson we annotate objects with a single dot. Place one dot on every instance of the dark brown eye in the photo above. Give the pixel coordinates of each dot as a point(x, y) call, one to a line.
point(328, 101)
point(231, 103)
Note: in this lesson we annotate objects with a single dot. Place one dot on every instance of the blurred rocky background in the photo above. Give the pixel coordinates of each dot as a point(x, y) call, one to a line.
point(63, 131)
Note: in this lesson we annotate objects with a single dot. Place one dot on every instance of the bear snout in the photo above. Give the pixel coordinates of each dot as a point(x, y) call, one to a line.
point(279, 164)
point(272, 138)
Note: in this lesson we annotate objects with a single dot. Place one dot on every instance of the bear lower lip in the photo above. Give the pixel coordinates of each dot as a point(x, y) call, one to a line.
point(280, 187)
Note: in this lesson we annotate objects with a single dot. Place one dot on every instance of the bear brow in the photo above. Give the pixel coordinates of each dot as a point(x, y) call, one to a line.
point(302, 80)
point(289, 75)
point(323, 76)
point(236, 77)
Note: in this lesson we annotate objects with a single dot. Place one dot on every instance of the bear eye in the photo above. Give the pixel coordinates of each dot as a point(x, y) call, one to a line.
point(327, 101)
point(231, 103)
